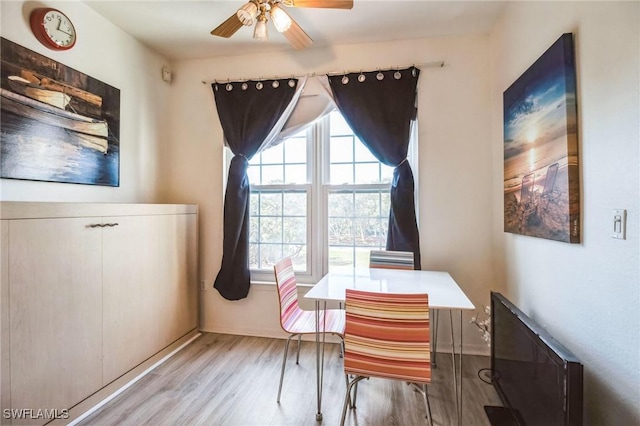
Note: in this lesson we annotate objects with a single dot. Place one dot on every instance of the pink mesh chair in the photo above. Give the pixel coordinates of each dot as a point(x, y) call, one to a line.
point(296, 321)
point(386, 336)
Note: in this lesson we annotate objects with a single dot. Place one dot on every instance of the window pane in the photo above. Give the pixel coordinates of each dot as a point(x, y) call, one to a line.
point(270, 254)
point(362, 257)
point(295, 150)
point(367, 173)
point(254, 200)
point(254, 225)
point(385, 205)
point(341, 205)
point(363, 153)
point(341, 174)
point(254, 261)
point(295, 174)
point(367, 204)
point(340, 231)
point(272, 175)
point(298, 254)
point(253, 172)
point(387, 173)
point(341, 149)
point(278, 224)
point(338, 124)
point(367, 232)
point(295, 230)
point(270, 229)
point(340, 258)
point(273, 155)
point(255, 160)
point(271, 204)
point(295, 203)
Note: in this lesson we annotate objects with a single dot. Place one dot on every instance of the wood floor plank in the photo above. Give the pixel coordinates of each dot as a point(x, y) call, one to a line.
point(233, 380)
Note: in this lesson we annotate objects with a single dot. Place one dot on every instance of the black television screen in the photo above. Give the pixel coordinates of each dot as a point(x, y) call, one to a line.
point(538, 380)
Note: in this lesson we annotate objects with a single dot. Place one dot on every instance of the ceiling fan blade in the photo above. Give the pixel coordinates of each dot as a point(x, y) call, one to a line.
point(297, 37)
point(329, 4)
point(228, 27)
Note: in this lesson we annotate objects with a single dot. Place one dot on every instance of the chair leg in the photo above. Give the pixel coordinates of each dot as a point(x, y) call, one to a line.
point(347, 397)
point(426, 400)
point(298, 354)
point(355, 395)
point(284, 363)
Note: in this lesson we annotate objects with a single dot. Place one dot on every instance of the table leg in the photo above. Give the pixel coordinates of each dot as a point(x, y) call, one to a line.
point(457, 371)
point(460, 413)
point(320, 357)
point(453, 362)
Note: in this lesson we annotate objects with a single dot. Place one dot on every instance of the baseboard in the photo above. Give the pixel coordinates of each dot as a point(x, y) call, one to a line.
point(93, 403)
point(443, 347)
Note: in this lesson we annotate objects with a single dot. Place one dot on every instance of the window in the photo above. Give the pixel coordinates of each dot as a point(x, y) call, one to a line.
point(320, 197)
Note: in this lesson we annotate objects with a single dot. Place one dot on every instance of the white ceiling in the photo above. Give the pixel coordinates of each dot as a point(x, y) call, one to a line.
point(180, 29)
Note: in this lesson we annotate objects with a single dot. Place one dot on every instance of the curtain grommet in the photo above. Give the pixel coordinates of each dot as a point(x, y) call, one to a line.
point(380, 76)
point(345, 80)
point(229, 87)
point(275, 84)
point(397, 75)
point(292, 83)
point(259, 85)
point(361, 77)
point(245, 86)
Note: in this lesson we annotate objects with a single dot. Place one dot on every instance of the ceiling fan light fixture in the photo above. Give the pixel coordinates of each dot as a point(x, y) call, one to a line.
point(247, 13)
point(280, 18)
point(260, 33)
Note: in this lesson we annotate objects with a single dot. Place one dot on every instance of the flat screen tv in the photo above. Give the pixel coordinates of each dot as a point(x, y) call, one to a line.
point(538, 380)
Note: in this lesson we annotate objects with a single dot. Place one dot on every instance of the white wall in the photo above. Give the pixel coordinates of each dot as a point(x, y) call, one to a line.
point(454, 163)
point(105, 52)
point(586, 295)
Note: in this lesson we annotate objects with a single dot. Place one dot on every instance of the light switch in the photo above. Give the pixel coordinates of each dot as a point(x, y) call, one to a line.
point(619, 224)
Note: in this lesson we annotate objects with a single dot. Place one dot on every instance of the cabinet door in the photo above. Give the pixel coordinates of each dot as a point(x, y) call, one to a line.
point(150, 287)
point(55, 291)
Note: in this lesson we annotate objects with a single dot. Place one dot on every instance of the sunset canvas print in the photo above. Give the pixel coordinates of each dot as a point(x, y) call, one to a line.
point(541, 188)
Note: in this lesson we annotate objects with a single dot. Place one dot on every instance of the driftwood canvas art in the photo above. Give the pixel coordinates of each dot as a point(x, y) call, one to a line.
point(56, 124)
point(541, 188)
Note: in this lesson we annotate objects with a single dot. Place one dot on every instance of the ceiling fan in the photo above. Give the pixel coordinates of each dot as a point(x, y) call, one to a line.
point(259, 12)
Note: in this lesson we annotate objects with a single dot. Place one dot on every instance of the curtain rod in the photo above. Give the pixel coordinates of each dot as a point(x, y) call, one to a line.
point(435, 64)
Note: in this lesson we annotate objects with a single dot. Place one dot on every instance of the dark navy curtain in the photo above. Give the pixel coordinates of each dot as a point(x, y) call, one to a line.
point(248, 112)
point(380, 106)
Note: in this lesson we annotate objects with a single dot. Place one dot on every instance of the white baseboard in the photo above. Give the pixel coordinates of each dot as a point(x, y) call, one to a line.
point(93, 403)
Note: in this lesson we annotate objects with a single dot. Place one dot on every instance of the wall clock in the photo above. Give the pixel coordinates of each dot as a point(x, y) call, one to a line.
point(53, 28)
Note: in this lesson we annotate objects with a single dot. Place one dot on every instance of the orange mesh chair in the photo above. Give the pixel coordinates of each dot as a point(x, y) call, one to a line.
point(387, 336)
point(294, 320)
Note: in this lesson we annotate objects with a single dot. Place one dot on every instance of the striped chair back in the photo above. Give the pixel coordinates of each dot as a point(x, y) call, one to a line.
point(287, 294)
point(387, 335)
point(391, 259)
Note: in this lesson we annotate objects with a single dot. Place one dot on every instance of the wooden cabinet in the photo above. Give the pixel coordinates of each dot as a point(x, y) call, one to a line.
point(89, 291)
point(146, 288)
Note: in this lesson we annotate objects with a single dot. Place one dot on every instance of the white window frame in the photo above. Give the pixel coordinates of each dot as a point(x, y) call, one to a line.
point(318, 190)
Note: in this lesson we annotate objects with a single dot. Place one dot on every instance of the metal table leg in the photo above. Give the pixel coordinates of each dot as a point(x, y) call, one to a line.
point(320, 357)
point(457, 371)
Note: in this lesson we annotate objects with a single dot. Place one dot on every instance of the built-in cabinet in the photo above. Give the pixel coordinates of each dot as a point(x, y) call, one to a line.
point(90, 291)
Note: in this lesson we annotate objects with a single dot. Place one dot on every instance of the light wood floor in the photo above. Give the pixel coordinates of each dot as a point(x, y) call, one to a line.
point(233, 380)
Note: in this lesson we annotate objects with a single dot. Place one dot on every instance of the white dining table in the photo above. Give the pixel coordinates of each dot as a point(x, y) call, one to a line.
point(444, 294)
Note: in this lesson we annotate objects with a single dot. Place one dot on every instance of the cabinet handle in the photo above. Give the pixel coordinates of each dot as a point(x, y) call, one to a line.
point(102, 225)
point(110, 225)
point(95, 225)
